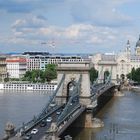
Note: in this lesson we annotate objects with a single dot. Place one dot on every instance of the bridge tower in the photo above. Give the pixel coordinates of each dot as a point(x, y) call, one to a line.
point(72, 71)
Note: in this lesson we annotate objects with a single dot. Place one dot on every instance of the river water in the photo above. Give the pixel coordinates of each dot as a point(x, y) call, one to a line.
point(19, 107)
point(121, 115)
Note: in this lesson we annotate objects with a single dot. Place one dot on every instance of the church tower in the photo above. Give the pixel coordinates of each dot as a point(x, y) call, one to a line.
point(128, 50)
point(137, 48)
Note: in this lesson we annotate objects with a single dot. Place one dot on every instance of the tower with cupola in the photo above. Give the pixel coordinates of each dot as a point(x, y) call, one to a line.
point(137, 48)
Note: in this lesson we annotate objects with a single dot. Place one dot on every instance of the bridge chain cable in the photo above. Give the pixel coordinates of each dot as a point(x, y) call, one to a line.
point(36, 119)
point(45, 109)
point(109, 77)
point(95, 86)
point(74, 94)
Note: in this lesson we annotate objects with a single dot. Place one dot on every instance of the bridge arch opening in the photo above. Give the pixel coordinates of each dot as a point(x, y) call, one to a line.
point(70, 87)
point(106, 74)
point(122, 77)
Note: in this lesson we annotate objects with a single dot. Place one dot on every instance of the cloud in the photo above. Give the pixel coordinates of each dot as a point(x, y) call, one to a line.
point(36, 28)
point(29, 23)
point(101, 12)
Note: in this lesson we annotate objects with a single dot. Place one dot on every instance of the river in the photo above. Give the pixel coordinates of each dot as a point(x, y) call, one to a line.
point(19, 107)
point(121, 115)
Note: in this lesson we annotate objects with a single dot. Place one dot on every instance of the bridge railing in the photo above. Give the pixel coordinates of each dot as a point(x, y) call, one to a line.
point(27, 127)
point(45, 109)
point(74, 94)
point(43, 113)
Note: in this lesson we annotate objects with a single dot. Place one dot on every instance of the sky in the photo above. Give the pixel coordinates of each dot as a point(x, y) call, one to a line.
point(68, 26)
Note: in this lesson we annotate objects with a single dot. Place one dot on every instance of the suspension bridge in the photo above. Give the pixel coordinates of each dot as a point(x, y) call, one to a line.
point(73, 98)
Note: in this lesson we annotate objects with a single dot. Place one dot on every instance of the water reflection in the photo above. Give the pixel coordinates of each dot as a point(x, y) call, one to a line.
point(121, 117)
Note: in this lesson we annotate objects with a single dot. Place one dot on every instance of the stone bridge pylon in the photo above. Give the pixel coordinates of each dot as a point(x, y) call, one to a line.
point(72, 73)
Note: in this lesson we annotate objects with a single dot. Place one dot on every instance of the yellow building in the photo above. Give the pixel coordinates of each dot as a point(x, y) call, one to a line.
point(3, 71)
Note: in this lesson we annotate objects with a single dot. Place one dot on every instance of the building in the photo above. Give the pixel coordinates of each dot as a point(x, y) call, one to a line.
point(137, 48)
point(40, 61)
point(16, 66)
point(118, 64)
point(3, 70)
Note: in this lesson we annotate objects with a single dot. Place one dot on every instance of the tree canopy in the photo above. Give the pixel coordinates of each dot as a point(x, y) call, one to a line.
point(50, 72)
point(40, 75)
point(134, 75)
point(93, 74)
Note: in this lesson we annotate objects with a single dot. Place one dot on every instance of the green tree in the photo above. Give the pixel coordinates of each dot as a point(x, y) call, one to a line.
point(137, 75)
point(50, 72)
point(134, 74)
point(93, 74)
point(27, 76)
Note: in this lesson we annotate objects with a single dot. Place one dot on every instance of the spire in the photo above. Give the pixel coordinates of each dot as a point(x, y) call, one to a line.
point(128, 46)
point(138, 42)
point(128, 42)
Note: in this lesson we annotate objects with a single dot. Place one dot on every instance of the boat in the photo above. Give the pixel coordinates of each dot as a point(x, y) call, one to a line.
point(28, 86)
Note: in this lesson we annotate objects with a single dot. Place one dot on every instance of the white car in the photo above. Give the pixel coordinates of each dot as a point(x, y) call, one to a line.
point(58, 112)
point(34, 131)
point(52, 104)
point(49, 119)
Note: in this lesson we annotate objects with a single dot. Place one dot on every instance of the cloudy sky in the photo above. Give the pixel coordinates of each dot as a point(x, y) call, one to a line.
point(68, 26)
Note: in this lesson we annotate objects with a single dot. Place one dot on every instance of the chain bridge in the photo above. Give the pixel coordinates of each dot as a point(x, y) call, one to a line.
point(75, 101)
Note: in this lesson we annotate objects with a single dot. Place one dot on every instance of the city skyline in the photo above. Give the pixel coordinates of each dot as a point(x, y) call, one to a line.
point(68, 26)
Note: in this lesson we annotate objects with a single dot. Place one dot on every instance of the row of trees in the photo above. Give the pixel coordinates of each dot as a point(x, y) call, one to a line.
point(49, 74)
point(134, 75)
point(40, 75)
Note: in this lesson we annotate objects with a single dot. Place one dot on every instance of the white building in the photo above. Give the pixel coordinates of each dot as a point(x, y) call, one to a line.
point(16, 66)
point(119, 64)
point(35, 62)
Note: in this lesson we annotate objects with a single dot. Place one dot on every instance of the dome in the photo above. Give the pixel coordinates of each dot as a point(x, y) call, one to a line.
point(138, 42)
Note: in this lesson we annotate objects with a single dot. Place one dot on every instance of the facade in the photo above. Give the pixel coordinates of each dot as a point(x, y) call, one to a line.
point(118, 64)
point(16, 66)
point(3, 70)
point(36, 62)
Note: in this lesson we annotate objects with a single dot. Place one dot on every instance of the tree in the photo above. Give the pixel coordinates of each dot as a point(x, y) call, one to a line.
point(50, 72)
point(137, 75)
point(34, 76)
point(134, 75)
point(93, 74)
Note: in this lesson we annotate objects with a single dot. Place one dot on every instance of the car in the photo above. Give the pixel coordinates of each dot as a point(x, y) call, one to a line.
point(27, 137)
point(53, 104)
point(43, 123)
point(49, 119)
point(34, 131)
point(58, 113)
